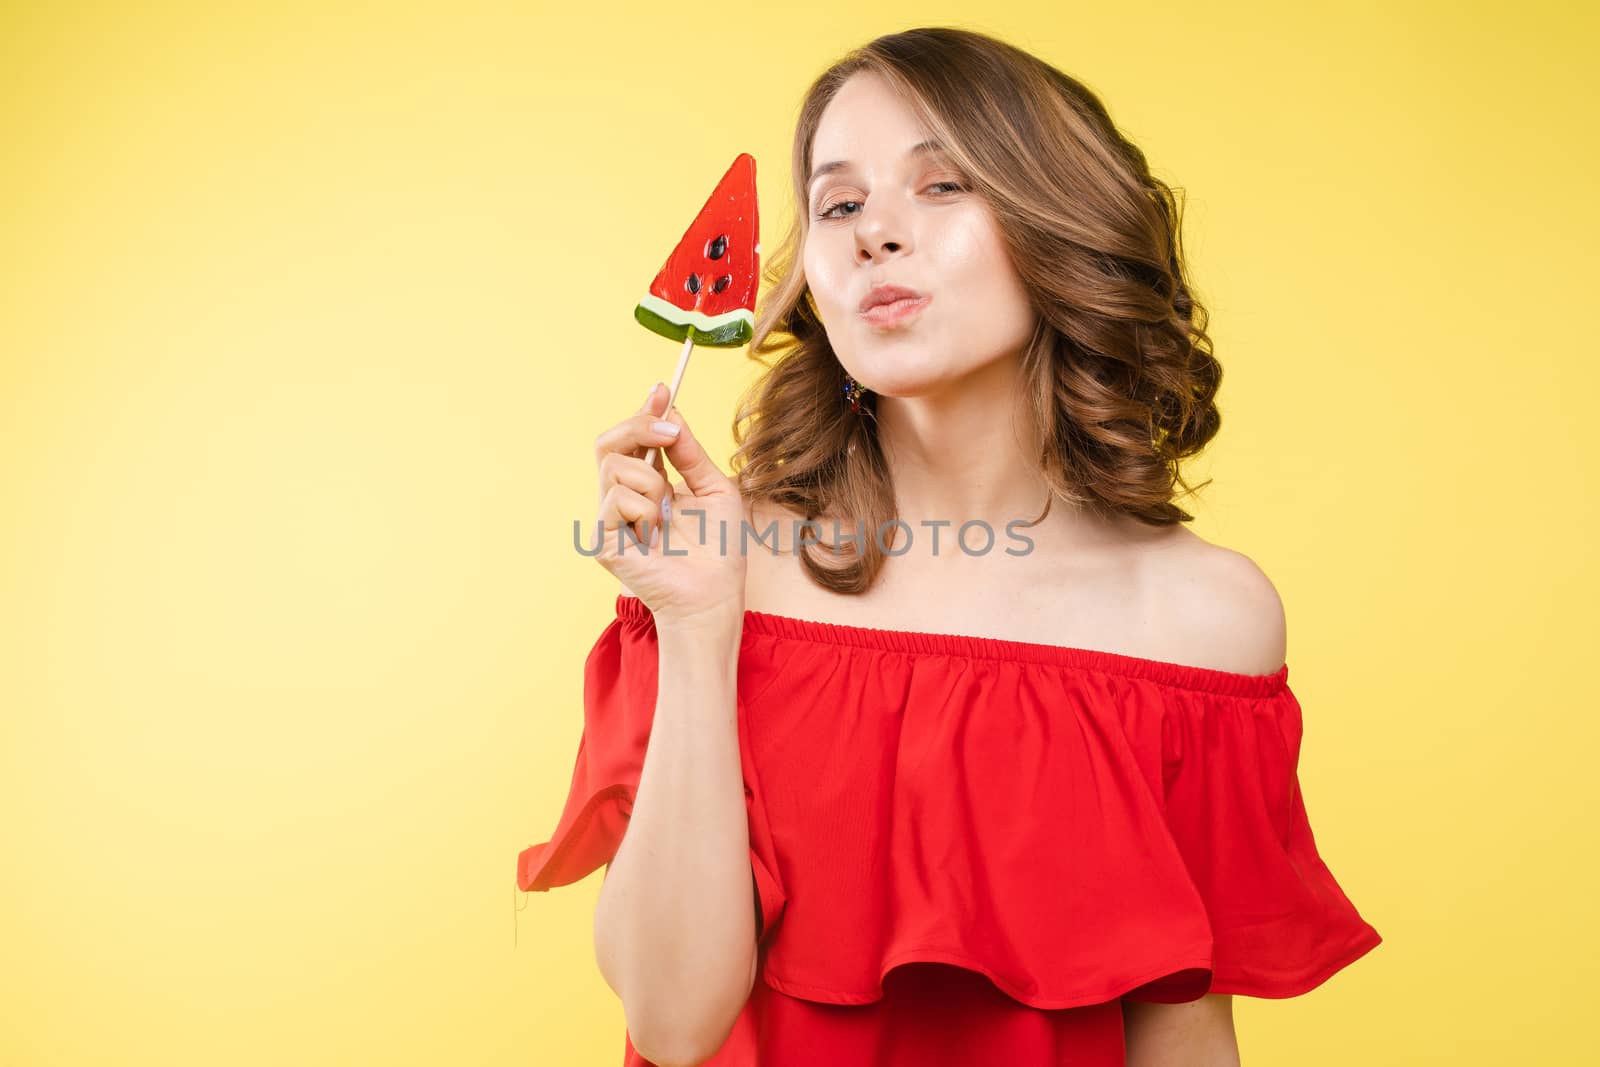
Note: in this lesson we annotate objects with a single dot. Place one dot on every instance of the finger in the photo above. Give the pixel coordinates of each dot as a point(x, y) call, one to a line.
point(652, 399)
point(621, 507)
point(700, 473)
point(631, 437)
point(652, 405)
point(615, 468)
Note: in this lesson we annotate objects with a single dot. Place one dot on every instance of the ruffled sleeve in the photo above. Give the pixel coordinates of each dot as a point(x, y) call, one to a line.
point(619, 699)
point(1280, 923)
point(1077, 825)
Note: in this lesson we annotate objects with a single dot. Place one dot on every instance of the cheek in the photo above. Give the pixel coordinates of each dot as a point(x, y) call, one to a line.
point(973, 264)
point(826, 275)
point(968, 252)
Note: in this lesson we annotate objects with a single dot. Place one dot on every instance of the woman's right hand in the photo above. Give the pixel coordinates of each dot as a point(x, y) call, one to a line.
point(698, 581)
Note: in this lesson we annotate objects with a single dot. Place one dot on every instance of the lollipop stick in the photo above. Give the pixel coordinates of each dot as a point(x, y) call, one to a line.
point(672, 394)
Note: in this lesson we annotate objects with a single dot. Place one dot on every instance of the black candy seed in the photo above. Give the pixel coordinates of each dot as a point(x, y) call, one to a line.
point(718, 247)
point(693, 284)
point(722, 283)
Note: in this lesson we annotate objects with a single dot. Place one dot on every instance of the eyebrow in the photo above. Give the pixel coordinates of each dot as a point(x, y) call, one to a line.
point(840, 164)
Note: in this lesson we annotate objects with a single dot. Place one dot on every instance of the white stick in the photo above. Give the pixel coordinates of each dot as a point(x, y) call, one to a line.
point(672, 393)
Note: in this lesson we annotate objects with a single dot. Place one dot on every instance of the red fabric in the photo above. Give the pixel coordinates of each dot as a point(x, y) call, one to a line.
point(971, 850)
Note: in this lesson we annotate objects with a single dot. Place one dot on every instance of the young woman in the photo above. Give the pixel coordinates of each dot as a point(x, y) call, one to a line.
point(1017, 749)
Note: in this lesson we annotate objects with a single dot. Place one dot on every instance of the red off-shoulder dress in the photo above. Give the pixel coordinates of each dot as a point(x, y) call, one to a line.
point(970, 850)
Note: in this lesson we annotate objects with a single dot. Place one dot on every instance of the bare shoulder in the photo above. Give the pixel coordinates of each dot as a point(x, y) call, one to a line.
point(1227, 614)
point(769, 560)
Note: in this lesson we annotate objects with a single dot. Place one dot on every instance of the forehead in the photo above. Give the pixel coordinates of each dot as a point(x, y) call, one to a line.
point(866, 115)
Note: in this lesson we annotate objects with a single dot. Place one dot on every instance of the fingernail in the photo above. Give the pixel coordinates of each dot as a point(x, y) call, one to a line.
point(651, 395)
point(655, 537)
point(666, 509)
point(668, 428)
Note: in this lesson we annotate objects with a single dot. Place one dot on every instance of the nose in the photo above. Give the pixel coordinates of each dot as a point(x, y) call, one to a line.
point(866, 254)
point(880, 233)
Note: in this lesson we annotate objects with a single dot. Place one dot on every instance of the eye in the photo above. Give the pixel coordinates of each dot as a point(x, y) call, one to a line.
point(828, 212)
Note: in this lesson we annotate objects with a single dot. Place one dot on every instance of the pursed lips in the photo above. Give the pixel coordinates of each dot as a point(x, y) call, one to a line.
point(895, 311)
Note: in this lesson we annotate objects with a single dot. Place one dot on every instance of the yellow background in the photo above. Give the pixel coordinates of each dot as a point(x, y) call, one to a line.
point(310, 313)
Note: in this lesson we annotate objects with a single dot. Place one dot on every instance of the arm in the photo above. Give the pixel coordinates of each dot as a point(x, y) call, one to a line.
point(1196, 1034)
point(1237, 620)
point(674, 932)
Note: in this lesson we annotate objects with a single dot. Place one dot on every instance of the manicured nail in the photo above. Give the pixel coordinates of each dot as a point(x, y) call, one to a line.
point(652, 394)
point(668, 428)
point(666, 509)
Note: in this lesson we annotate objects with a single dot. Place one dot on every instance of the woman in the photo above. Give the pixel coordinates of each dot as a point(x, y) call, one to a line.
point(1019, 771)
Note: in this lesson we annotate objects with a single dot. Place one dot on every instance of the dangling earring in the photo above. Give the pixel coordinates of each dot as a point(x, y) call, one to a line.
point(853, 392)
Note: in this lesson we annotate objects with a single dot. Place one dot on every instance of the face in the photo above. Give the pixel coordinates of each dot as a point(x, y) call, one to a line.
point(892, 214)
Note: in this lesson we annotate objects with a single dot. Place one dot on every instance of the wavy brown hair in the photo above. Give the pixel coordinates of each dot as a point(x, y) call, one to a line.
point(1119, 377)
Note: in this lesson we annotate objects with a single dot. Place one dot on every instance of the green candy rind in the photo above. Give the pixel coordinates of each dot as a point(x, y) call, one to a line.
point(735, 328)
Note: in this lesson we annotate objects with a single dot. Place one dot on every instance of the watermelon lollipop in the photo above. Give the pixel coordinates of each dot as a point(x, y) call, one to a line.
point(706, 291)
point(707, 287)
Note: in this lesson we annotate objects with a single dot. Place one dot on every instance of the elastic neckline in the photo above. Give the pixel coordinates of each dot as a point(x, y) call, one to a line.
point(963, 646)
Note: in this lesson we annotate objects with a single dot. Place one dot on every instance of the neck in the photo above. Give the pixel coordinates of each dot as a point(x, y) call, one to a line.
point(968, 452)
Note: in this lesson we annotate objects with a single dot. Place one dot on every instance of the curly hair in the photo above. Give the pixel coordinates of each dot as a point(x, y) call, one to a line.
point(1119, 378)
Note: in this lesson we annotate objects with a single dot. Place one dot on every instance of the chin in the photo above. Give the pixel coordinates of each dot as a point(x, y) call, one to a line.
point(901, 384)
